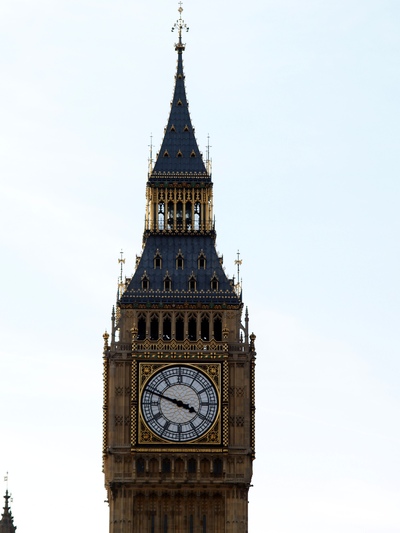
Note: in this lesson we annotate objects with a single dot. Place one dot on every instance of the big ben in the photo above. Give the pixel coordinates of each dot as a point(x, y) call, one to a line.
point(179, 362)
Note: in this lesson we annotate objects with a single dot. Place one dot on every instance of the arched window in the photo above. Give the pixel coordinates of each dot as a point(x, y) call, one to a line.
point(166, 466)
point(145, 282)
point(192, 328)
point(141, 328)
point(214, 283)
point(192, 466)
point(192, 282)
point(167, 328)
point(179, 261)
point(154, 328)
point(140, 466)
point(201, 260)
point(217, 467)
point(161, 215)
point(170, 220)
point(188, 216)
point(179, 328)
point(167, 282)
point(197, 216)
point(205, 328)
point(157, 259)
point(179, 215)
point(217, 328)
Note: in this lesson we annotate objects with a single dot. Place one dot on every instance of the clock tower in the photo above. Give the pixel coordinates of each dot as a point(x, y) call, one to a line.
point(179, 406)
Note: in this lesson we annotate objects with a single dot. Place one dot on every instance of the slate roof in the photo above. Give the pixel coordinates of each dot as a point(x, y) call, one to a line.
point(190, 247)
point(179, 152)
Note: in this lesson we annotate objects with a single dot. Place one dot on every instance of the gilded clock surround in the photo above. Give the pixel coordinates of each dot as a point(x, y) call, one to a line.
point(213, 436)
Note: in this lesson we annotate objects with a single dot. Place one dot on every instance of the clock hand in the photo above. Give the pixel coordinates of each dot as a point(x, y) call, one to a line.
point(179, 403)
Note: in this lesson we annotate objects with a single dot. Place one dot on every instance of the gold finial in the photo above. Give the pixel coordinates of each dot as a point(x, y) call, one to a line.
point(180, 25)
point(252, 342)
point(106, 336)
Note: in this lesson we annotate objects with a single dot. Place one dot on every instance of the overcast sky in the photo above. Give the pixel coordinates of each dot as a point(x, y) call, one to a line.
point(301, 101)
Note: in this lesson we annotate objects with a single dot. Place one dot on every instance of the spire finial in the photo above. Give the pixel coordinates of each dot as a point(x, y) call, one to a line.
point(121, 285)
point(151, 146)
point(180, 25)
point(238, 285)
point(121, 261)
point(208, 160)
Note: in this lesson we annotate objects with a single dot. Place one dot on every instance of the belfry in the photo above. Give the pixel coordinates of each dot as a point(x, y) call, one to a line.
point(179, 362)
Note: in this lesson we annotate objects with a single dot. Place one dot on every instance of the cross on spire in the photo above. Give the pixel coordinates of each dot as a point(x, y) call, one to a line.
point(180, 25)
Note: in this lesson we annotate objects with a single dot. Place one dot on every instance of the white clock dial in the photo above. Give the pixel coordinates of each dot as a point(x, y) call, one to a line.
point(179, 403)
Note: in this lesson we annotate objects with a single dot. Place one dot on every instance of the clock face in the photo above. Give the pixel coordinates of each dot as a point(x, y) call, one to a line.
point(179, 403)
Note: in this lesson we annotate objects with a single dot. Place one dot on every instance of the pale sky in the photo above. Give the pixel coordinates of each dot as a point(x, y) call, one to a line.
point(301, 101)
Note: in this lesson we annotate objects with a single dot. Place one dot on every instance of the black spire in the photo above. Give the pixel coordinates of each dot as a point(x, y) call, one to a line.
point(179, 264)
point(7, 520)
point(179, 153)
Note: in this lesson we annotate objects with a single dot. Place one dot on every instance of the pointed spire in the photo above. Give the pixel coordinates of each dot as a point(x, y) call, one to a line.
point(7, 520)
point(179, 153)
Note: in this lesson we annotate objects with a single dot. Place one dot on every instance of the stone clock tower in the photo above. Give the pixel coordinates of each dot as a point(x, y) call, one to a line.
point(179, 364)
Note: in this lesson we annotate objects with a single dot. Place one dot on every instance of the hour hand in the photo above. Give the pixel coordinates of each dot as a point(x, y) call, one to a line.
point(179, 403)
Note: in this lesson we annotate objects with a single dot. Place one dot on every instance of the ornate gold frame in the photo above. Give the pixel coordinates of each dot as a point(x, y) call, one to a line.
point(144, 435)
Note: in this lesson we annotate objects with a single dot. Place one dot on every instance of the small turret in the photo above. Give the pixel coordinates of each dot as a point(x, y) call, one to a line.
point(7, 519)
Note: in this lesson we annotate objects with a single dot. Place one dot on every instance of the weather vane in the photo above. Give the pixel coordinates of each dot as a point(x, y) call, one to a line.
point(180, 25)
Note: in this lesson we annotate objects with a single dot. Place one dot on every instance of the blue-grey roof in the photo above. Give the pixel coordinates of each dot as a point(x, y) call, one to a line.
point(179, 152)
point(191, 247)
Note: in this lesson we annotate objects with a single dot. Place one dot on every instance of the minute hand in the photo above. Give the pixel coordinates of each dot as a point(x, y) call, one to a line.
point(179, 403)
